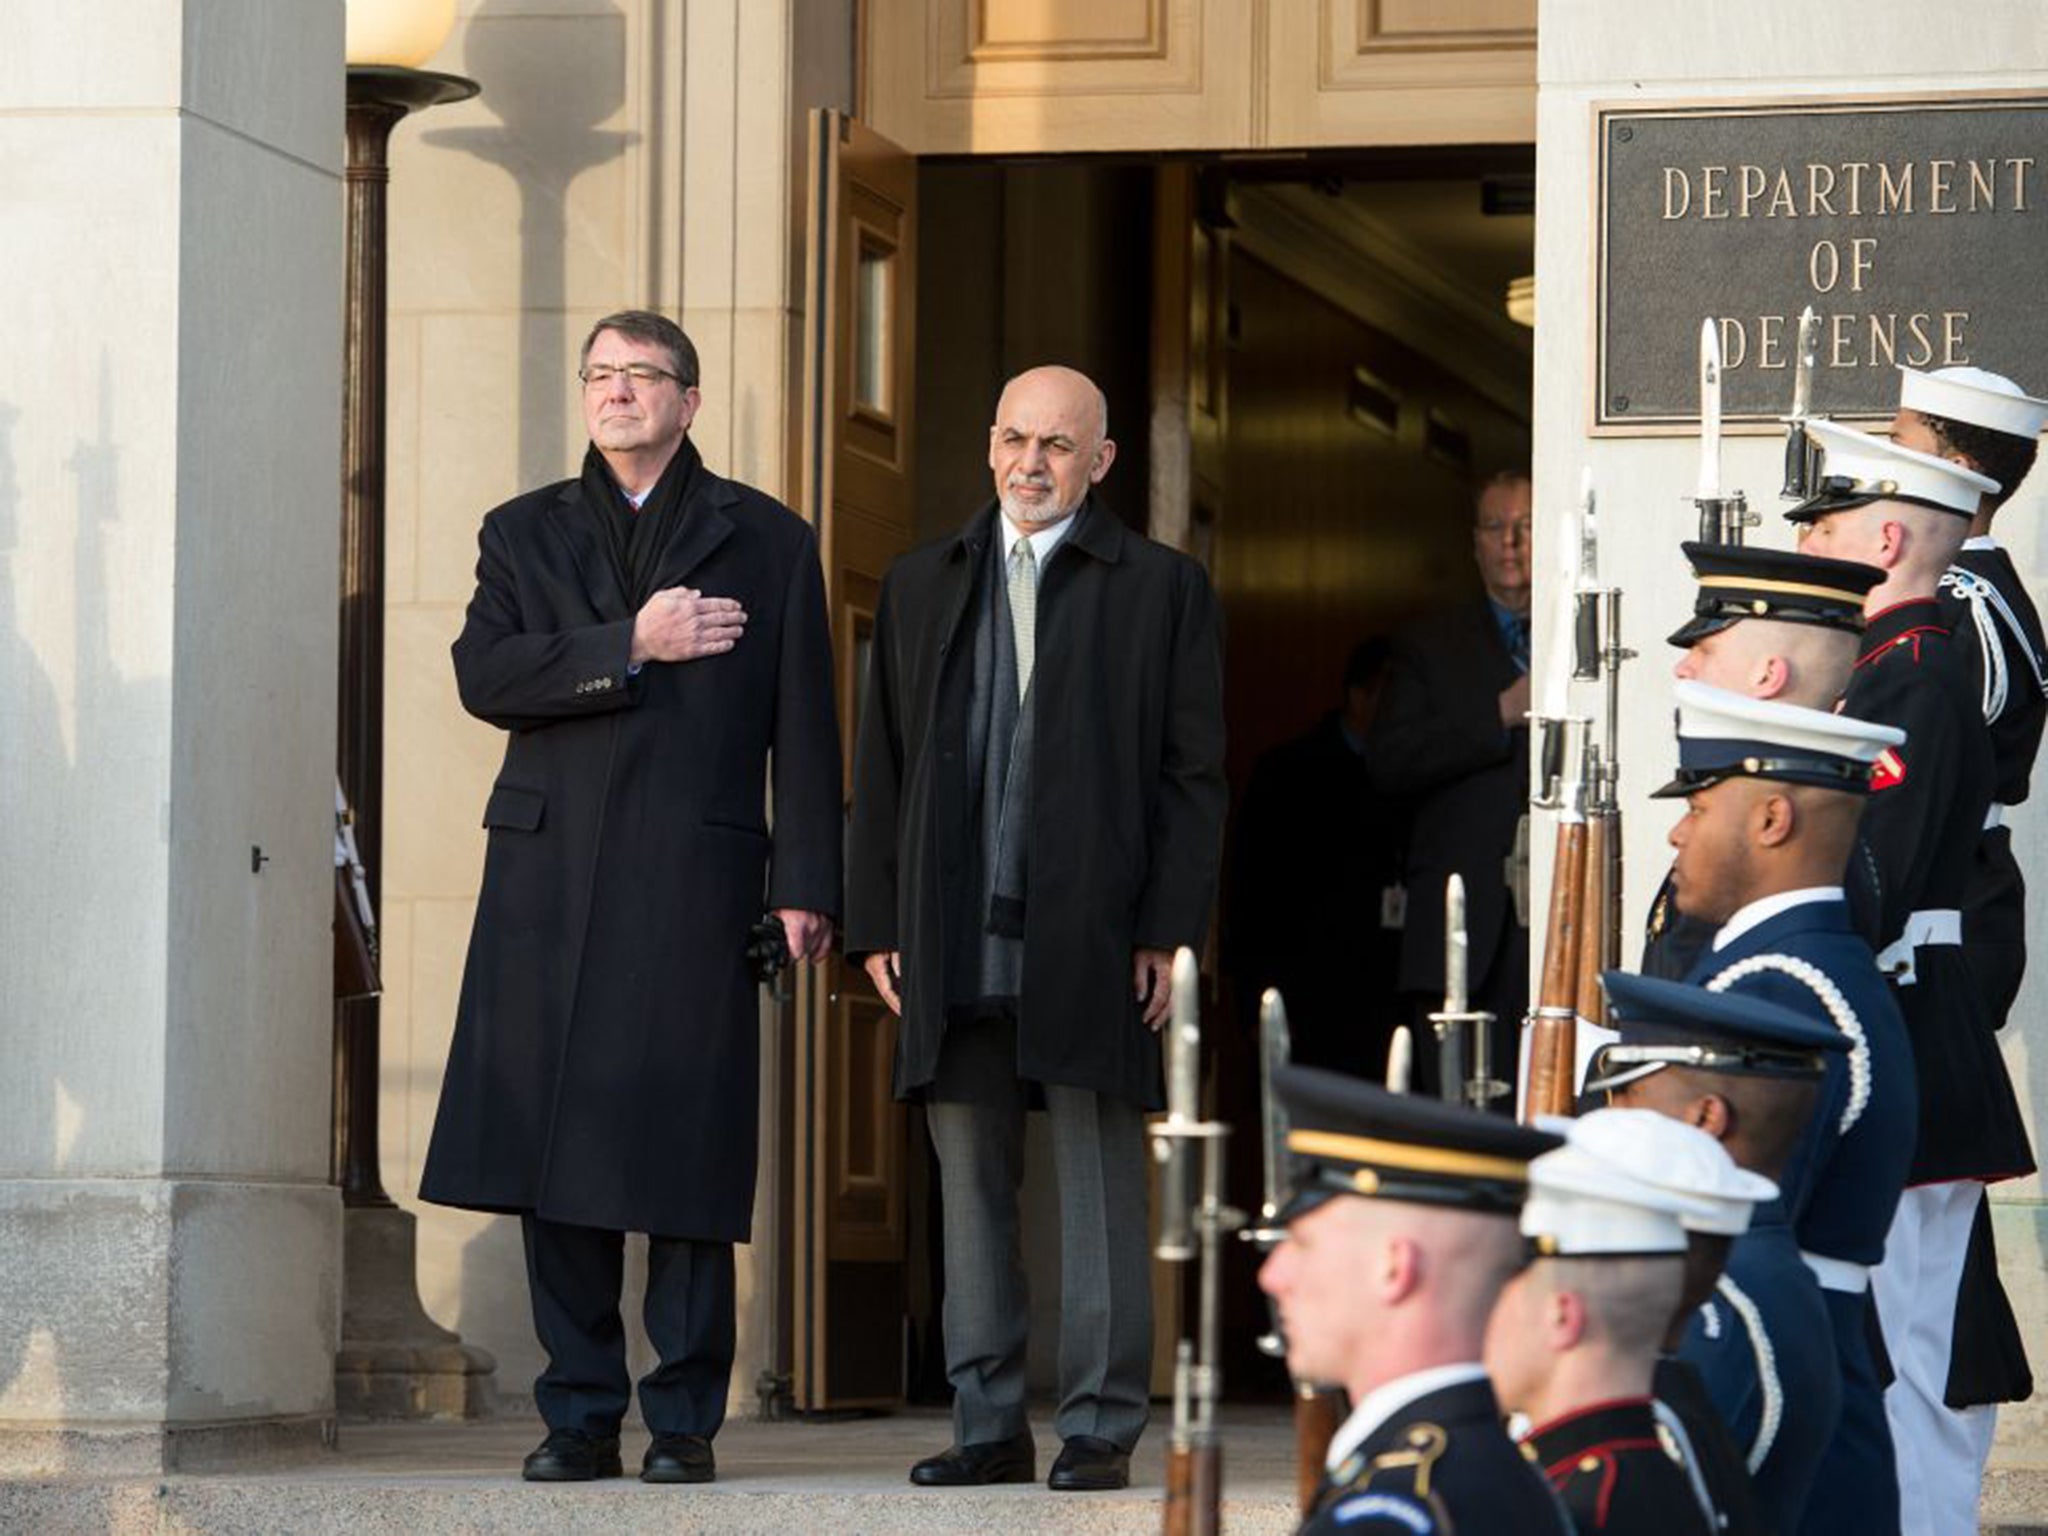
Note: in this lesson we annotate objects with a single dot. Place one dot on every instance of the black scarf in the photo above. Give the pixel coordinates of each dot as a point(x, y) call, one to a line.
point(636, 539)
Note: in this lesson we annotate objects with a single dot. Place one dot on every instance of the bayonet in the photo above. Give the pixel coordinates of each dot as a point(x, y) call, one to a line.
point(1710, 413)
point(1798, 455)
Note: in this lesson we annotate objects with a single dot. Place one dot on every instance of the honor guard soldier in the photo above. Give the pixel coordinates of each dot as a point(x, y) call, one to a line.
point(1773, 797)
point(1747, 1072)
point(1769, 624)
point(1400, 1236)
point(1574, 1338)
point(1989, 424)
point(1909, 512)
point(1693, 1165)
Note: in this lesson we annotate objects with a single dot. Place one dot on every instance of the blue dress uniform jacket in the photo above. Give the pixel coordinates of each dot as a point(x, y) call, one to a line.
point(1846, 1176)
point(1764, 1347)
point(1615, 1468)
point(1926, 813)
point(1998, 633)
point(1444, 1463)
point(605, 1066)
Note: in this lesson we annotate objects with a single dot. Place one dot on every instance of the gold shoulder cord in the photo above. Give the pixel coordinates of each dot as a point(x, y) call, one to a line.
point(1426, 1443)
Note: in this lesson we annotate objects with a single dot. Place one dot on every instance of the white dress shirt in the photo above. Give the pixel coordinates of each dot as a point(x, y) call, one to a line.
point(1764, 908)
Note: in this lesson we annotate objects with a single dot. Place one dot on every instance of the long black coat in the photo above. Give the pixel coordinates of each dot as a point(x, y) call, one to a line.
point(1127, 783)
point(1438, 738)
point(605, 1063)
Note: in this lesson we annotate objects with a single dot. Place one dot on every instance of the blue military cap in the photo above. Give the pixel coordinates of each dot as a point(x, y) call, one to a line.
point(1351, 1137)
point(1671, 1024)
point(1741, 581)
point(1723, 735)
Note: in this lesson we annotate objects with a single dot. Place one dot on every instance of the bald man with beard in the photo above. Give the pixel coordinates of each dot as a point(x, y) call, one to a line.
point(1037, 824)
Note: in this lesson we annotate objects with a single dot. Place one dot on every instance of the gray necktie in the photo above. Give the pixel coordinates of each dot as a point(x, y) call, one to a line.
point(1024, 609)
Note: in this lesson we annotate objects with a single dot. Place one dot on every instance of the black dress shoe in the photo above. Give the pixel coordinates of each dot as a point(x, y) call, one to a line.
point(1014, 1460)
point(571, 1456)
point(1089, 1465)
point(678, 1459)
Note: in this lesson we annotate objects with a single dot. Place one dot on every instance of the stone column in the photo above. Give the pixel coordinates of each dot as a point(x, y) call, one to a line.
point(169, 426)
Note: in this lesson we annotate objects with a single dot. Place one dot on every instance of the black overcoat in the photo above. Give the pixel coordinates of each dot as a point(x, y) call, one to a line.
point(1127, 785)
point(1438, 738)
point(606, 1054)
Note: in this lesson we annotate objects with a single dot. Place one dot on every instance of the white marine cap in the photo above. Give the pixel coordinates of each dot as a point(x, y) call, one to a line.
point(1682, 1160)
point(1599, 1196)
point(1983, 399)
point(1722, 734)
point(1857, 468)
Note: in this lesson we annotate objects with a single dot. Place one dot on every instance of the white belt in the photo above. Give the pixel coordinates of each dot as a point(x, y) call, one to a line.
point(1837, 1274)
point(1994, 816)
point(1924, 930)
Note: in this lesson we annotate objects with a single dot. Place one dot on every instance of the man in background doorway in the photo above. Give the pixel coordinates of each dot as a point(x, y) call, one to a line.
point(1453, 732)
point(1315, 874)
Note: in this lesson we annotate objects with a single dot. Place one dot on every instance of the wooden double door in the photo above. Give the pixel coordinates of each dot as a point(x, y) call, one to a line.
point(852, 1204)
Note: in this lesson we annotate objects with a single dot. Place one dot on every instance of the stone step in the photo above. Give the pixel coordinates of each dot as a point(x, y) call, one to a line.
point(844, 1478)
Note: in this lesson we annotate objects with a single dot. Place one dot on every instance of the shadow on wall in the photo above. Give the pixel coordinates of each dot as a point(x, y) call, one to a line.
point(547, 139)
point(56, 982)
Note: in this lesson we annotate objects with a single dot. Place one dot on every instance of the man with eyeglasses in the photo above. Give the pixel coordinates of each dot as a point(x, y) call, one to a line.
point(1453, 733)
point(653, 639)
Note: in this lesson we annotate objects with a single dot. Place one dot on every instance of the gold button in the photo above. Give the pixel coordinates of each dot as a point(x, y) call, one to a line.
point(1589, 1463)
point(1759, 607)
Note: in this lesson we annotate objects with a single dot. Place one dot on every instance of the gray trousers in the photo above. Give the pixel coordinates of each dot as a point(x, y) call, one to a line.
point(1105, 1358)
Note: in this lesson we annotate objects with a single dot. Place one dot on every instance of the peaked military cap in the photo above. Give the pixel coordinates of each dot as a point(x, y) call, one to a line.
point(1594, 1197)
point(1677, 1157)
point(1741, 581)
point(1351, 1137)
point(1724, 735)
point(1981, 398)
point(1857, 469)
point(1670, 1024)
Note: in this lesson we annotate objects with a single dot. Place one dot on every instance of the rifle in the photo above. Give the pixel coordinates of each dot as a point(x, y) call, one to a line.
point(1317, 1412)
point(1193, 1229)
point(1597, 656)
point(1722, 518)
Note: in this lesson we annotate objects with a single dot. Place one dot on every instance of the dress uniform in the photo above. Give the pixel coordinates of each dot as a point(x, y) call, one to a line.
point(1761, 1342)
point(1426, 1452)
point(1616, 1464)
point(1797, 948)
point(1998, 631)
point(1927, 808)
point(1738, 582)
point(1699, 1168)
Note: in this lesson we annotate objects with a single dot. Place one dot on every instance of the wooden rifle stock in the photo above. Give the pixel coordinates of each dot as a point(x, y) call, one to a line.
point(1596, 944)
point(1318, 1415)
point(1553, 1033)
point(1194, 1489)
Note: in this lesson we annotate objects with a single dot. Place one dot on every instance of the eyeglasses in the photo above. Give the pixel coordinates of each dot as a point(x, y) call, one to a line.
point(639, 375)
